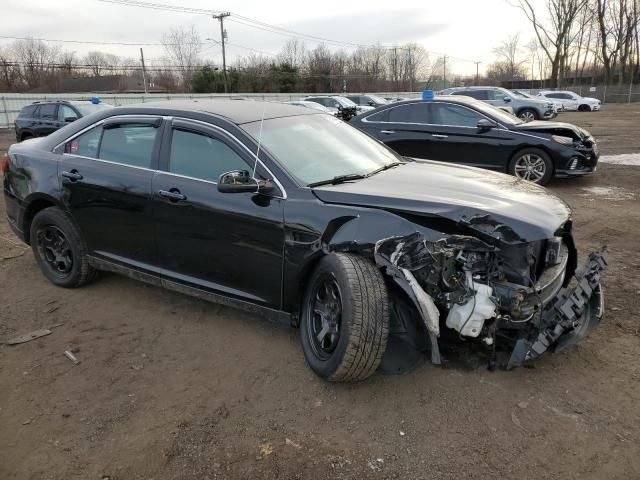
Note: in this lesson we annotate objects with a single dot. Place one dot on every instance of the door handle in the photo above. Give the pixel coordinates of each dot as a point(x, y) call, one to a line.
point(73, 175)
point(173, 195)
point(387, 132)
point(437, 135)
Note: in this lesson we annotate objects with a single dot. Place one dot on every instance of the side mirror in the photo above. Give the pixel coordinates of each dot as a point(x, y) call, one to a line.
point(372, 104)
point(339, 108)
point(485, 125)
point(507, 99)
point(70, 119)
point(240, 181)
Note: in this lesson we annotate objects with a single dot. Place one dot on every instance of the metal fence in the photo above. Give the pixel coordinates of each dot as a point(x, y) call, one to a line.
point(12, 103)
point(604, 93)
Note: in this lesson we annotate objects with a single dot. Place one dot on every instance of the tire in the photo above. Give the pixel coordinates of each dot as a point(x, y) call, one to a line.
point(25, 136)
point(358, 309)
point(542, 166)
point(59, 249)
point(528, 114)
point(584, 108)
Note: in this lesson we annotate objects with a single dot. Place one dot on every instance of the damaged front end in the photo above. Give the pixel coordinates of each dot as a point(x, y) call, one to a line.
point(526, 295)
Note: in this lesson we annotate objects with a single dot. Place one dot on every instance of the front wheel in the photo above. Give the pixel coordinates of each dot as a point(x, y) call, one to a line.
point(532, 164)
point(345, 318)
point(584, 108)
point(528, 115)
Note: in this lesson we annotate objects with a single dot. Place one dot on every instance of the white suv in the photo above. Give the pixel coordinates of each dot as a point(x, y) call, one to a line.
point(572, 101)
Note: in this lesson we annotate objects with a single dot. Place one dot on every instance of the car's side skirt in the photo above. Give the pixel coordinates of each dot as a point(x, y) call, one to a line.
point(277, 316)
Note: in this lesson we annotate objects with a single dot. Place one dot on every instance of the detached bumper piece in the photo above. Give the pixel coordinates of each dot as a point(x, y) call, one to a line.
point(576, 311)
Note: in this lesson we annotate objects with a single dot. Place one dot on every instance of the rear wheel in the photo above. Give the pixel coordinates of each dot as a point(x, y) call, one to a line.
point(528, 115)
point(532, 164)
point(345, 318)
point(25, 136)
point(59, 249)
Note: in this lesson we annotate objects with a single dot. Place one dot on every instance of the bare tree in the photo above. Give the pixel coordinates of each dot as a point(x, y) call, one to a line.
point(183, 46)
point(554, 27)
point(293, 53)
point(508, 56)
point(100, 63)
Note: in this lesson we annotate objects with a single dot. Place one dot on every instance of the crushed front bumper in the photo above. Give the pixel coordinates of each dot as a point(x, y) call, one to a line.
point(576, 311)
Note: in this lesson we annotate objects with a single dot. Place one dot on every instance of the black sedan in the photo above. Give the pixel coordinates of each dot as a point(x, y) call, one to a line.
point(300, 217)
point(469, 132)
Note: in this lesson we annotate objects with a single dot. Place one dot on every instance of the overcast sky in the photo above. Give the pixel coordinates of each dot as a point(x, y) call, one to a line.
point(465, 30)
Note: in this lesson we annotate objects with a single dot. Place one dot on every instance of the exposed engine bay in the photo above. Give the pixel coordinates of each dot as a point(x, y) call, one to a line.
point(527, 294)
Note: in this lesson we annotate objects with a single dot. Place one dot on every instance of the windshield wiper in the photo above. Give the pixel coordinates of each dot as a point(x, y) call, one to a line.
point(386, 167)
point(338, 179)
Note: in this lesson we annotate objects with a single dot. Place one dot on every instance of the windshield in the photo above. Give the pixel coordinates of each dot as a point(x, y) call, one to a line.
point(377, 99)
point(315, 148)
point(88, 108)
point(522, 94)
point(497, 113)
point(345, 102)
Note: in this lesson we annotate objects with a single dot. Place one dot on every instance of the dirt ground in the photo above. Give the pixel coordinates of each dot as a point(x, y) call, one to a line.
point(175, 388)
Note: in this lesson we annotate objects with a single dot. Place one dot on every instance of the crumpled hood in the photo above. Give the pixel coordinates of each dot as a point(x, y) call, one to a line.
point(549, 127)
point(496, 204)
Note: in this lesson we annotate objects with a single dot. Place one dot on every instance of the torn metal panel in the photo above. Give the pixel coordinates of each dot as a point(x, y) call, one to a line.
point(571, 316)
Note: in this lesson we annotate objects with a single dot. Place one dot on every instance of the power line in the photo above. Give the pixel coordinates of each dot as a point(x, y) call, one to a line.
point(84, 42)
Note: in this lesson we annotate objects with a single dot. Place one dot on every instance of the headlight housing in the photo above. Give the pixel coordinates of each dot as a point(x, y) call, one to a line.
point(562, 140)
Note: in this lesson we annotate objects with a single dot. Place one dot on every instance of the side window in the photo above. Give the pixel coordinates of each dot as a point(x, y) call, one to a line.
point(64, 112)
point(497, 95)
point(411, 113)
point(48, 111)
point(454, 115)
point(200, 156)
point(130, 143)
point(86, 144)
point(554, 95)
point(477, 94)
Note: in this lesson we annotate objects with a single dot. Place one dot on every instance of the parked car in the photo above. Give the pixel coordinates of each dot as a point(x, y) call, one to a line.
point(367, 100)
point(41, 118)
point(527, 109)
point(340, 106)
point(557, 106)
point(307, 104)
point(328, 230)
point(572, 101)
point(467, 131)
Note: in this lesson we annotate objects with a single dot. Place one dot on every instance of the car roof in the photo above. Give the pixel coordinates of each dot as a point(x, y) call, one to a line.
point(234, 111)
point(462, 99)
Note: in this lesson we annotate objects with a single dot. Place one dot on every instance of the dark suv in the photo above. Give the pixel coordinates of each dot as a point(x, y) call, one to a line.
point(42, 118)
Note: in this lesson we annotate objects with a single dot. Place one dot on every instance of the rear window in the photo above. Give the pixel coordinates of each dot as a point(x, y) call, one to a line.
point(28, 111)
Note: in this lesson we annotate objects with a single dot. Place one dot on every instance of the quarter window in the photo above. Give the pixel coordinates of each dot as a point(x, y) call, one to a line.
point(200, 156)
point(130, 144)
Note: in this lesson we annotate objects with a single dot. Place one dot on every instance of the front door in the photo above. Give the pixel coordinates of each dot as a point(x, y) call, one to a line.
point(105, 176)
point(230, 243)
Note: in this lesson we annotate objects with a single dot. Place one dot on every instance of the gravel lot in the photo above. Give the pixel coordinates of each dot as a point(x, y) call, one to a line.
point(170, 387)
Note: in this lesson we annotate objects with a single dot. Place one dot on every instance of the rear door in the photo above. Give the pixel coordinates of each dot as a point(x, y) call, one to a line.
point(229, 243)
point(105, 176)
point(404, 128)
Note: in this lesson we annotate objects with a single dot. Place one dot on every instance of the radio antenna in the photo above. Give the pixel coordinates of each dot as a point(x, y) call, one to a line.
point(255, 165)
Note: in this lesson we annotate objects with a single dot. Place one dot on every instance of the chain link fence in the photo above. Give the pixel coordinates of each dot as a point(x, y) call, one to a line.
point(12, 103)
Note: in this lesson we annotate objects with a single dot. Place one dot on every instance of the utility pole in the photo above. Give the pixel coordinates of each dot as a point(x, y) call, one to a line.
point(223, 34)
point(444, 72)
point(144, 73)
point(477, 72)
